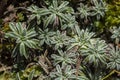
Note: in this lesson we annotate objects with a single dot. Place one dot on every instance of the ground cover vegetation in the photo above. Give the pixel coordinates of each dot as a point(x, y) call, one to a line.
point(59, 40)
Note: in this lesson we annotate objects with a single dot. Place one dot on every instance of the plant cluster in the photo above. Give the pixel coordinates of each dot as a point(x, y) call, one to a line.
point(59, 41)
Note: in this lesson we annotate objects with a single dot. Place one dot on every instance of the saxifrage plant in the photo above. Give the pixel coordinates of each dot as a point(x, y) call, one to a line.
point(24, 39)
point(81, 38)
point(95, 53)
point(59, 40)
point(114, 58)
point(45, 36)
point(63, 74)
point(64, 58)
point(54, 14)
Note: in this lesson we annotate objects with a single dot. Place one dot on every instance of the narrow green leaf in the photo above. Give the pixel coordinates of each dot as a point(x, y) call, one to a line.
point(48, 20)
point(77, 29)
point(13, 27)
point(31, 33)
point(18, 77)
point(64, 4)
point(31, 43)
point(58, 68)
point(22, 50)
point(55, 3)
point(15, 51)
point(31, 75)
point(61, 15)
point(19, 28)
point(43, 11)
point(12, 34)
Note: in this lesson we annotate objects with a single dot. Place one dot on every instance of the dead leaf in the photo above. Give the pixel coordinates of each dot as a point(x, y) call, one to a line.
point(42, 64)
point(10, 8)
point(78, 65)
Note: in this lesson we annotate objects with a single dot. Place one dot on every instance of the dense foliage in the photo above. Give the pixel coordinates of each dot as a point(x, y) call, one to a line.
point(60, 40)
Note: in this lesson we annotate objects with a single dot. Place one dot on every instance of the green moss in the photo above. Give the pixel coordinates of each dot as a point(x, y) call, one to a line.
point(111, 18)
